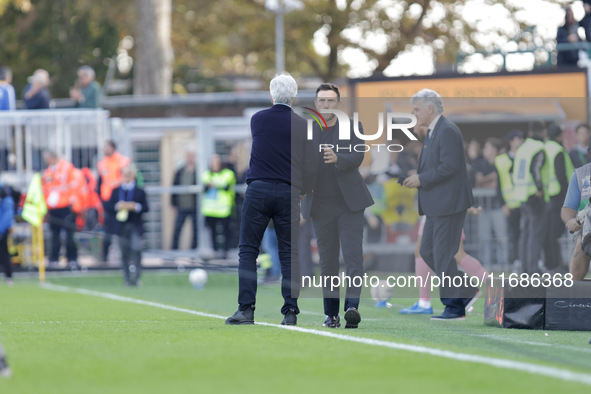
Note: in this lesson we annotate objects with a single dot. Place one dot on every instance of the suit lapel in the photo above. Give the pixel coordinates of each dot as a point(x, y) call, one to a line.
point(432, 142)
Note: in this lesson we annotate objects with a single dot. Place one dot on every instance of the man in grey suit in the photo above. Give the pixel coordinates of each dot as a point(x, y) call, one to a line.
point(337, 203)
point(444, 196)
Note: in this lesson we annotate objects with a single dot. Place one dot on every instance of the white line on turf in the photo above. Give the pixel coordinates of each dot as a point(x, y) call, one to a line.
point(533, 343)
point(535, 369)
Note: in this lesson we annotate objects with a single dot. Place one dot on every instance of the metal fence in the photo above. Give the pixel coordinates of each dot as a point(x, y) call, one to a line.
point(157, 146)
point(76, 135)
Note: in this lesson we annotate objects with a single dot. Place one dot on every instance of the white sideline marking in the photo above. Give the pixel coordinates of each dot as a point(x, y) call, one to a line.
point(535, 369)
point(504, 339)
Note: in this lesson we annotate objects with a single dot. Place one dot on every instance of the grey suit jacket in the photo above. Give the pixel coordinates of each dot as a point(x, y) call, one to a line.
point(445, 188)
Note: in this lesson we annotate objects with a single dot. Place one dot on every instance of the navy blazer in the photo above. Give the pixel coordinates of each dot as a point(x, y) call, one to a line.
point(280, 149)
point(351, 183)
point(445, 188)
point(139, 196)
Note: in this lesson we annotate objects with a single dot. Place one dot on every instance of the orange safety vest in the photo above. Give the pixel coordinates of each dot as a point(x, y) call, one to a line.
point(109, 170)
point(59, 183)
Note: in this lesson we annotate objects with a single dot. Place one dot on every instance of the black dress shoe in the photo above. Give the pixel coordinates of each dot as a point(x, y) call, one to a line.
point(449, 316)
point(290, 318)
point(242, 317)
point(332, 321)
point(352, 317)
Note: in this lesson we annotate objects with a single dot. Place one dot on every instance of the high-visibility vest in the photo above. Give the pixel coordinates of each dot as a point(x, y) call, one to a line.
point(59, 182)
point(218, 200)
point(109, 170)
point(553, 148)
point(503, 164)
point(584, 182)
point(523, 180)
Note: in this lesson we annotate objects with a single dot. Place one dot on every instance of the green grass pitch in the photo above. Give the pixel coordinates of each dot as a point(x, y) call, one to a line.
point(66, 342)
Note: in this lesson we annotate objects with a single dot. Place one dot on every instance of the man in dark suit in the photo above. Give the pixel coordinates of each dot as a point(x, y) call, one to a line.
point(128, 203)
point(337, 204)
point(444, 196)
point(281, 166)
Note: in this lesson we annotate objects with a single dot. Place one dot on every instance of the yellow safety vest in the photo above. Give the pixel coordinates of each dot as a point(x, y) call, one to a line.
point(218, 200)
point(503, 164)
point(553, 148)
point(523, 180)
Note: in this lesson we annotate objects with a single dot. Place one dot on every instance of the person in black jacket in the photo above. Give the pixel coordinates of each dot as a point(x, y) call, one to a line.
point(339, 198)
point(185, 204)
point(279, 173)
point(128, 203)
point(567, 33)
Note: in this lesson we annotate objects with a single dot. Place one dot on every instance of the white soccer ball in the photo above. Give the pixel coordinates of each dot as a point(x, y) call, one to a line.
point(382, 292)
point(198, 278)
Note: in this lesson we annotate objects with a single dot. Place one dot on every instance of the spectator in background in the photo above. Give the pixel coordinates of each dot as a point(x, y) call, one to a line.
point(59, 184)
point(408, 159)
point(473, 154)
point(579, 154)
point(128, 203)
point(218, 202)
point(567, 33)
point(561, 169)
point(7, 95)
point(506, 194)
point(530, 178)
point(185, 204)
point(36, 95)
point(109, 177)
point(492, 225)
point(6, 218)
point(86, 92)
point(586, 21)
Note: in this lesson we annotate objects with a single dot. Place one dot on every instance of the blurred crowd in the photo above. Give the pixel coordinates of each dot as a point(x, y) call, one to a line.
point(85, 93)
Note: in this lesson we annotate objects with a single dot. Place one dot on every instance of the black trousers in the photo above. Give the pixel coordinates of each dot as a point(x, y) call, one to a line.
point(181, 217)
point(5, 256)
point(220, 232)
point(265, 201)
point(514, 230)
point(110, 225)
point(440, 243)
point(553, 257)
point(533, 228)
point(62, 219)
point(338, 229)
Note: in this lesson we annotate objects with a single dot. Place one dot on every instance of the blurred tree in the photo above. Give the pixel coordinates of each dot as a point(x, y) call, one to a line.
point(59, 36)
point(154, 54)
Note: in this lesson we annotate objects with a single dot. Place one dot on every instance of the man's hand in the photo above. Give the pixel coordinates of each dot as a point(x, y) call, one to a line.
point(329, 156)
point(412, 182)
point(573, 225)
point(573, 38)
point(540, 194)
point(474, 211)
point(506, 210)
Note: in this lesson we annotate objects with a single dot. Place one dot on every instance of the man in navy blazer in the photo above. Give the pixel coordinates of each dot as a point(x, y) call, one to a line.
point(127, 204)
point(336, 206)
point(281, 164)
point(444, 196)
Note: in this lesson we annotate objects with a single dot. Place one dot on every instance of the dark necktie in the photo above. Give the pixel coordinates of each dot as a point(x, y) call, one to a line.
point(425, 146)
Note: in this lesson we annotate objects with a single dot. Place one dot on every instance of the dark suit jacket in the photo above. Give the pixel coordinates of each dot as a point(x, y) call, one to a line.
point(445, 189)
point(135, 218)
point(280, 151)
point(351, 183)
